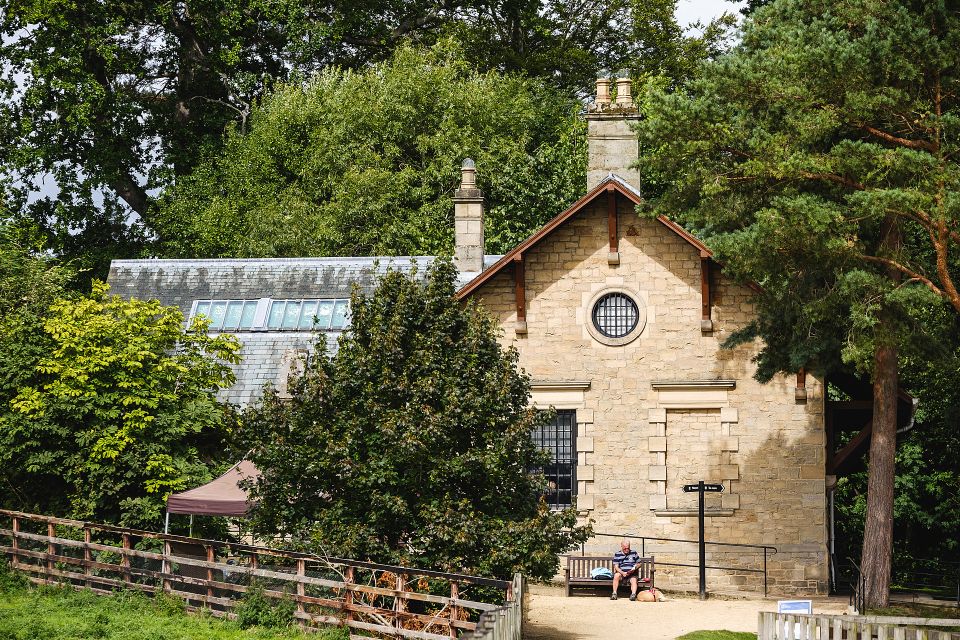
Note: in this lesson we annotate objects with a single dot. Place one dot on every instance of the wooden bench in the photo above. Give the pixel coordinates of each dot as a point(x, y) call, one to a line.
point(577, 573)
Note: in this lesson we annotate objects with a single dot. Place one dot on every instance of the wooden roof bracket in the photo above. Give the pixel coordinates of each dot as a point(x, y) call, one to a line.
point(613, 257)
point(520, 293)
point(801, 393)
point(706, 301)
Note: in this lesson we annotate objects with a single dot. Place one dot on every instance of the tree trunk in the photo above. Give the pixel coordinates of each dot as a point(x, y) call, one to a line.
point(878, 528)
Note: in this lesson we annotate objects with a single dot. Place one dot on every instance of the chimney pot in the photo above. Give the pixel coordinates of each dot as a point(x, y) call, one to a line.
point(603, 93)
point(468, 174)
point(624, 99)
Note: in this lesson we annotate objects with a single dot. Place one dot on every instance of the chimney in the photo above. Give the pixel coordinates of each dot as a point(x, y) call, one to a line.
point(612, 145)
point(468, 221)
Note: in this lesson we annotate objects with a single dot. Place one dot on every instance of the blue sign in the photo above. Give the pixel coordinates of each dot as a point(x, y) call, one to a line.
point(795, 606)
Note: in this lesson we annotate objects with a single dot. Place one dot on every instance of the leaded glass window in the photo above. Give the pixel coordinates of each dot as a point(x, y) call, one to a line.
point(558, 438)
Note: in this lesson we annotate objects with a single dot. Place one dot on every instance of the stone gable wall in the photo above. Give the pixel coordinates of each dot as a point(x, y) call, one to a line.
point(635, 443)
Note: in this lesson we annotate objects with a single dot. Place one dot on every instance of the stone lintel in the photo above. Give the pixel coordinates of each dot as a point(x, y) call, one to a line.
point(692, 513)
point(557, 385)
point(693, 384)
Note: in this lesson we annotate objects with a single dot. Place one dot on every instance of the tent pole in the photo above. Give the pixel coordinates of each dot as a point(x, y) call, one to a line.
point(191, 525)
point(166, 524)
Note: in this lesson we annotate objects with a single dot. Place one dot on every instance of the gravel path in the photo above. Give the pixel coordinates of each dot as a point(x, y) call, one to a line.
point(555, 617)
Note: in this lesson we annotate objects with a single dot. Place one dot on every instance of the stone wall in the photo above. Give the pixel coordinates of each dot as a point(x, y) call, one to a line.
point(638, 439)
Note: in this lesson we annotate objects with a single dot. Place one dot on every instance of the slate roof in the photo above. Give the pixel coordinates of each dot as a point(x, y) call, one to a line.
point(180, 282)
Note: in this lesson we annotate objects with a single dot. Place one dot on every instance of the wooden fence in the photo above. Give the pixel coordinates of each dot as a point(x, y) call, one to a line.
point(385, 600)
point(782, 626)
point(505, 623)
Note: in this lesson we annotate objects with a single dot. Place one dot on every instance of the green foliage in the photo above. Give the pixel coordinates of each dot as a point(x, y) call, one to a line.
point(412, 445)
point(792, 153)
point(115, 410)
point(819, 159)
point(105, 105)
point(257, 610)
point(65, 614)
point(10, 580)
point(365, 163)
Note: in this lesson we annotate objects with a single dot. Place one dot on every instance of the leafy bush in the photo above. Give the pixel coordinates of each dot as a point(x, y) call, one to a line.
point(10, 580)
point(412, 445)
point(257, 610)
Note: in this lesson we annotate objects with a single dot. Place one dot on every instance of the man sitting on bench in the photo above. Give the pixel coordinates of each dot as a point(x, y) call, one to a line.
point(625, 567)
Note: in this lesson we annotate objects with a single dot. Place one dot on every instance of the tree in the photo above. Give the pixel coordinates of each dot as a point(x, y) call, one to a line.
point(366, 163)
point(819, 159)
point(412, 444)
point(117, 412)
point(104, 106)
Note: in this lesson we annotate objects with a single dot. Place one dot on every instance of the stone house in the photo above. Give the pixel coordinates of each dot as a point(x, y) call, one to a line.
point(619, 320)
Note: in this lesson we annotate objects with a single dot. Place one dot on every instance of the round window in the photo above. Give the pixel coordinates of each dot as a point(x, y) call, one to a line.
point(615, 315)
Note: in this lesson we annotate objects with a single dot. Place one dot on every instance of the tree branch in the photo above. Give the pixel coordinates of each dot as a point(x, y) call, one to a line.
point(925, 145)
point(835, 178)
point(905, 270)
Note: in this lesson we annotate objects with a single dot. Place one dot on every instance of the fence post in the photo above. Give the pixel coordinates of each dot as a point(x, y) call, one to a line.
point(301, 587)
point(51, 549)
point(399, 601)
point(210, 558)
point(165, 566)
point(86, 555)
point(454, 596)
point(348, 593)
point(125, 559)
point(16, 542)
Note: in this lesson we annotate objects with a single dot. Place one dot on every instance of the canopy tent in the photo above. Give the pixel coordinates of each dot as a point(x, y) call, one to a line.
point(219, 497)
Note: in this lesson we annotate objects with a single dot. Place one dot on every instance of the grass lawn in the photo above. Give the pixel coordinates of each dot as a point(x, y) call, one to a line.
point(66, 614)
point(718, 635)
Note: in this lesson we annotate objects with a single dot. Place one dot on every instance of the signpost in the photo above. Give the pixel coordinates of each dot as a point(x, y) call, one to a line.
point(702, 488)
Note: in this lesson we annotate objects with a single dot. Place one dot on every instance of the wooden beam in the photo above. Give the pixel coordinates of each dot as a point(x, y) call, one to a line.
point(706, 302)
point(613, 233)
point(520, 293)
point(849, 458)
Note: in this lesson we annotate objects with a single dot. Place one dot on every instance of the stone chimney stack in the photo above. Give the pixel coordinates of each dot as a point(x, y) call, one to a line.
point(468, 221)
point(612, 145)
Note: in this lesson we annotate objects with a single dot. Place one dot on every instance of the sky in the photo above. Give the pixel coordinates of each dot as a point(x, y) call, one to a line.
point(689, 11)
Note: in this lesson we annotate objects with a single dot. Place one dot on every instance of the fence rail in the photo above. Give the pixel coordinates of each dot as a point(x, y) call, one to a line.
point(395, 601)
point(506, 622)
point(782, 626)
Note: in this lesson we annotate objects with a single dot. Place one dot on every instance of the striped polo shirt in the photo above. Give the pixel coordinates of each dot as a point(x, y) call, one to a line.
point(626, 561)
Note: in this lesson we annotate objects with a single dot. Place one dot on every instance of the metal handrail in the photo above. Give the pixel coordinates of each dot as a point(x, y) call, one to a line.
point(858, 593)
point(767, 549)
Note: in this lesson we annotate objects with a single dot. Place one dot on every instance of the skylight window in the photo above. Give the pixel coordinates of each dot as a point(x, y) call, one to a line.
point(267, 314)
